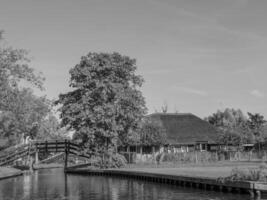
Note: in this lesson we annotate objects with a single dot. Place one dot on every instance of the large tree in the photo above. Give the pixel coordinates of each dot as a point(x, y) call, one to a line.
point(105, 105)
point(20, 110)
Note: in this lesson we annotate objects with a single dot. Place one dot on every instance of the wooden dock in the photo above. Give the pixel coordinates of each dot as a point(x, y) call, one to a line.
point(254, 189)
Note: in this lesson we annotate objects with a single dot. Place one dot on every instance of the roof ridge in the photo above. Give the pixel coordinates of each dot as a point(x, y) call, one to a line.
point(178, 114)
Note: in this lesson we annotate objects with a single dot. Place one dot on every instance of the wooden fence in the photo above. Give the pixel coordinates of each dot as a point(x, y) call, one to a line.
point(195, 157)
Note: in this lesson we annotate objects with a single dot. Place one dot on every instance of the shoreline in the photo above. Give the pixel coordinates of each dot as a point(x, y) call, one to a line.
point(6, 173)
point(255, 189)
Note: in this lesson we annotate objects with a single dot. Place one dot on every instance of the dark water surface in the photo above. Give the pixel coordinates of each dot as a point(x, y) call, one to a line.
point(53, 184)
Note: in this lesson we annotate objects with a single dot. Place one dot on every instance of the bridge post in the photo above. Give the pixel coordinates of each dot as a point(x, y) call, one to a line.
point(36, 154)
point(36, 157)
point(66, 156)
point(31, 164)
point(46, 146)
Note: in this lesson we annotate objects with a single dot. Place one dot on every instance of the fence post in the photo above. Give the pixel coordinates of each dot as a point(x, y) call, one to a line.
point(66, 156)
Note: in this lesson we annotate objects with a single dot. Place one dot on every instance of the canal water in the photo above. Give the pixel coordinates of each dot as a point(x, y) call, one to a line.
point(52, 184)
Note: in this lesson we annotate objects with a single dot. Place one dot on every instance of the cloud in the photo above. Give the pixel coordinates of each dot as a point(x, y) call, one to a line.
point(191, 91)
point(257, 93)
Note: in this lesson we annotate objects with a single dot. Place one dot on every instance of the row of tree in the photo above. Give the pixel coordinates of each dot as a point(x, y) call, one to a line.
point(22, 113)
point(105, 108)
point(237, 128)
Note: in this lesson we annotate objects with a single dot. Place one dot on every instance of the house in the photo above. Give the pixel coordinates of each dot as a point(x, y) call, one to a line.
point(186, 132)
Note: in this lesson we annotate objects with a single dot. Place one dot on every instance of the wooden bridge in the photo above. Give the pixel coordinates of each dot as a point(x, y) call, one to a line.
point(31, 150)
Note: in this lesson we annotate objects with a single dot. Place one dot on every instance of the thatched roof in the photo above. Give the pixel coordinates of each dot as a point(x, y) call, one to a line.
point(185, 128)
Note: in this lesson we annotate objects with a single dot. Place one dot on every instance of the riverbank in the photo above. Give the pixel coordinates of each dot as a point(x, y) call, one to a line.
point(203, 177)
point(8, 172)
point(211, 170)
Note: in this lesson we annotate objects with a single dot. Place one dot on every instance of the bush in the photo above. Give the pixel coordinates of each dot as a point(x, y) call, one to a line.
point(190, 157)
point(254, 174)
point(114, 161)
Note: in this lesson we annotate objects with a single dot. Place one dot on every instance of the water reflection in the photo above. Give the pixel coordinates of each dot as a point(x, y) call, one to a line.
point(53, 184)
point(27, 185)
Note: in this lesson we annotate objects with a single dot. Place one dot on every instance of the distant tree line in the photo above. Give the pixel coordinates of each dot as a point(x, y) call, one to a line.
point(237, 128)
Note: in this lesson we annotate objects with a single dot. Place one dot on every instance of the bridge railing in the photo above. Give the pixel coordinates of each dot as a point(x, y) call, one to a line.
point(47, 146)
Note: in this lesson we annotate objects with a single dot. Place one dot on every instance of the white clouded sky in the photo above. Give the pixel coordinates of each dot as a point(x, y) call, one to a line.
point(198, 56)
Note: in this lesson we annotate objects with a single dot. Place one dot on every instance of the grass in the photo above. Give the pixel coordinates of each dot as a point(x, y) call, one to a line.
point(209, 170)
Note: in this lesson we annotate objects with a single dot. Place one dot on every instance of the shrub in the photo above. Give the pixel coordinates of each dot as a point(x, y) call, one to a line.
point(253, 174)
point(114, 161)
point(190, 157)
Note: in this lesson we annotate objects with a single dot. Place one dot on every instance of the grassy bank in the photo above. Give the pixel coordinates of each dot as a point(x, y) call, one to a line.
point(210, 170)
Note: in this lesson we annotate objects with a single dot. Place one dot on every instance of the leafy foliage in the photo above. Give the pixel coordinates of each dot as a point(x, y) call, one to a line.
point(49, 129)
point(114, 161)
point(21, 112)
point(256, 124)
point(230, 137)
point(14, 67)
point(23, 115)
point(254, 174)
point(153, 133)
point(227, 118)
point(105, 105)
point(236, 128)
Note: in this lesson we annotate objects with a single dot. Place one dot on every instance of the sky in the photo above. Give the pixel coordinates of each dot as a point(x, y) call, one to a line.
point(196, 56)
